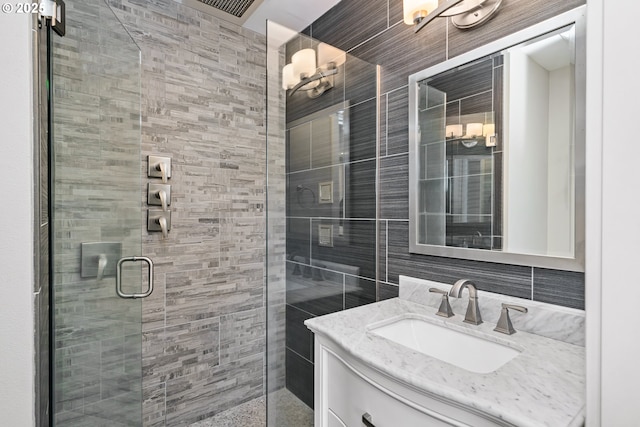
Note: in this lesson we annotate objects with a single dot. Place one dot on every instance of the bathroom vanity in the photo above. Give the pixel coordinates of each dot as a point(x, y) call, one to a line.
point(374, 367)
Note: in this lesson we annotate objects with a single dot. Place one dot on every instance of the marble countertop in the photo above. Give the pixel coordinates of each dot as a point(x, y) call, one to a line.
point(543, 386)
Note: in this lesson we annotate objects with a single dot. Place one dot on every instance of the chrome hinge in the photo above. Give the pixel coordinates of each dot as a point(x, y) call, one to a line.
point(54, 10)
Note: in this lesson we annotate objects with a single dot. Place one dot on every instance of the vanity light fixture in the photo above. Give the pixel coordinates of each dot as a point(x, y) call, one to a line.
point(464, 13)
point(304, 73)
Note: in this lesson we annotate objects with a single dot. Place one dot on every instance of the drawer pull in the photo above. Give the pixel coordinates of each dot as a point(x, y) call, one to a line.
point(366, 420)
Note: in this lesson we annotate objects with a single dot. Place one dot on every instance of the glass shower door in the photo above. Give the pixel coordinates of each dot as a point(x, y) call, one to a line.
point(97, 219)
point(322, 220)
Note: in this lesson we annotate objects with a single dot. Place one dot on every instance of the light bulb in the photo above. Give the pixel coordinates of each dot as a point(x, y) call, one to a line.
point(289, 79)
point(453, 131)
point(413, 9)
point(328, 53)
point(304, 63)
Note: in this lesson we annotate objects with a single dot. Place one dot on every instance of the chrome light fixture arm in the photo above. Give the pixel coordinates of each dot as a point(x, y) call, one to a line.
point(436, 13)
point(319, 75)
point(464, 13)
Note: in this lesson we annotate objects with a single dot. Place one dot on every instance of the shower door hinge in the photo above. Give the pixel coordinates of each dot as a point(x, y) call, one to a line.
point(54, 10)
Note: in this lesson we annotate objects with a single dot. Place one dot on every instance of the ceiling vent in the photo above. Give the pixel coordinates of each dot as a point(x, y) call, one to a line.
point(236, 8)
point(236, 11)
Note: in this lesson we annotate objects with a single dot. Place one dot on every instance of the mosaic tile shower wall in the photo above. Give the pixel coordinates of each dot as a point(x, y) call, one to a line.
point(204, 105)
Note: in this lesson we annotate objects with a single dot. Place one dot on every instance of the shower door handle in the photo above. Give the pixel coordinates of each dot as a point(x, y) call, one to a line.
point(119, 291)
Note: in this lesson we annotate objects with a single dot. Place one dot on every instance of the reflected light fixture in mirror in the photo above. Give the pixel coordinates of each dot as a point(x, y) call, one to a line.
point(453, 131)
point(474, 130)
point(307, 74)
point(473, 133)
point(464, 13)
point(489, 132)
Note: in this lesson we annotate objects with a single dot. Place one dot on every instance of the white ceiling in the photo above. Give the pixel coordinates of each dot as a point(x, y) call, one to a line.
point(293, 14)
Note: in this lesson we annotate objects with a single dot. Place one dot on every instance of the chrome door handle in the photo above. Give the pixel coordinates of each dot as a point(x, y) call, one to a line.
point(121, 261)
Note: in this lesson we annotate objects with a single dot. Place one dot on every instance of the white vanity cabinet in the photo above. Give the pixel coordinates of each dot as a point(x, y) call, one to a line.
point(346, 390)
point(359, 370)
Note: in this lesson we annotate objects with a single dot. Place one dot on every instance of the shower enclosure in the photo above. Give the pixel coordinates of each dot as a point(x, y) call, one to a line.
point(96, 219)
point(322, 211)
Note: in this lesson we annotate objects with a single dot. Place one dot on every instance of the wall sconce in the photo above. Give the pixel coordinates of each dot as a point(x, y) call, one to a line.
point(303, 73)
point(464, 13)
point(474, 132)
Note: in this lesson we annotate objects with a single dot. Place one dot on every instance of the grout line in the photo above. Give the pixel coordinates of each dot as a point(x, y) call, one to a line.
point(310, 239)
point(388, 156)
point(355, 276)
point(331, 166)
point(300, 309)
point(532, 273)
point(310, 145)
point(386, 279)
point(298, 354)
point(377, 182)
point(386, 125)
point(344, 291)
point(373, 37)
point(328, 218)
point(388, 15)
point(446, 40)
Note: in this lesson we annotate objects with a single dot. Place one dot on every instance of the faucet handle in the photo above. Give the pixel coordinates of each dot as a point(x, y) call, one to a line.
point(445, 307)
point(504, 323)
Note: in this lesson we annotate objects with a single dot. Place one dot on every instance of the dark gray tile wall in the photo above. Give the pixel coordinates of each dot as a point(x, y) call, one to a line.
point(381, 38)
point(400, 52)
point(323, 279)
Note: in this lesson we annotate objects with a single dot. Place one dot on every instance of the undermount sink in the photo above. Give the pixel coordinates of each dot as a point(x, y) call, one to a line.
point(466, 351)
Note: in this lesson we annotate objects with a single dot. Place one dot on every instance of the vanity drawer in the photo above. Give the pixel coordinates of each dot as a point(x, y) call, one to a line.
point(349, 397)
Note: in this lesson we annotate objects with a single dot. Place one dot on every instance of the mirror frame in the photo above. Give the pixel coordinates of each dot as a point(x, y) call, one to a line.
point(576, 263)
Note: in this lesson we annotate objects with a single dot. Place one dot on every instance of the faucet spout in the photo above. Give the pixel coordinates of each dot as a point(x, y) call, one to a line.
point(473, 311)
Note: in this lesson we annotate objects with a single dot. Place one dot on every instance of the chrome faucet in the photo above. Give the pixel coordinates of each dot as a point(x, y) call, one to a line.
point(473, 312)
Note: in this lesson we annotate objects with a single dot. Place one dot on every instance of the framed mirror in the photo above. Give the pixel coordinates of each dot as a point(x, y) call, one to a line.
point(496, 141)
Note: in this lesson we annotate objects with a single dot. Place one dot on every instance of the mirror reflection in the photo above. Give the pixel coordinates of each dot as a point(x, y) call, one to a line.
point(495, 140)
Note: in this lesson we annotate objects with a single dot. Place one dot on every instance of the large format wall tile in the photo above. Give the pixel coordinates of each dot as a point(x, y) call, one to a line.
point(500, 278)
point(337, 26)
point(400, 52)
point(394, 187)
point(558, 287)
point(300, 377)
point(351, 252)
point(299, 338)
